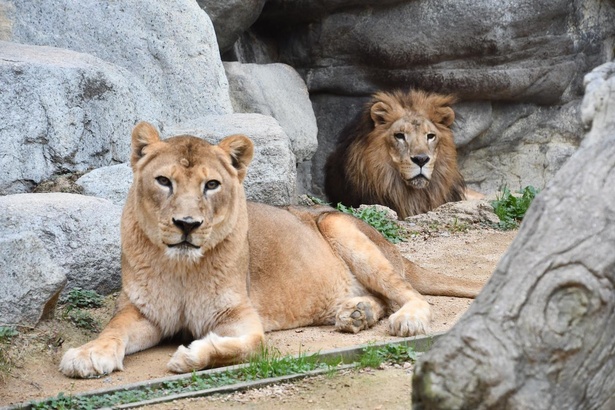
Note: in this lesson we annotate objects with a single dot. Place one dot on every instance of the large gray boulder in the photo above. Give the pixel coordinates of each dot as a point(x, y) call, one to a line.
point(79, 234)
point(476, 48)
point(112, 183)
point(31, 280)
point(524, 144)
point(63, 111)
point(169, 46)
point(271, 175)
point(276, 90)
point(231, 18)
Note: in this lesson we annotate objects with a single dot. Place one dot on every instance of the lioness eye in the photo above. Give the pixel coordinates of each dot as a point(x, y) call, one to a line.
point(164, 181)
point(400, 135)
point(431, 136)
point(213, 184)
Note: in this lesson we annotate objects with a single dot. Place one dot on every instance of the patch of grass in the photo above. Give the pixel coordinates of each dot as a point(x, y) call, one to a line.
point(75, 302)
point(376, 218)
point(83, 298)
point(511, 208)
point(6, 364)
point(266, 364)
point(7, 333)
point(374, 356)
point(82, 319)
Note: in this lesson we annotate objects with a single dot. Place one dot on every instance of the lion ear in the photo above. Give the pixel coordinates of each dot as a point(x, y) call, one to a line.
point(241, 150)
point(379, 112)
point(447, 116)
point(143, 135)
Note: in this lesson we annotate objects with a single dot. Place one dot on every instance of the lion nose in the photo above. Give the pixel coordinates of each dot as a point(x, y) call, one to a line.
point(187, 225)
point(420, 160)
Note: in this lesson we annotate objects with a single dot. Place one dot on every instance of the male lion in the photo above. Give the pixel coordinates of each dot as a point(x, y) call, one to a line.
point(399, 152)
point(198, 259)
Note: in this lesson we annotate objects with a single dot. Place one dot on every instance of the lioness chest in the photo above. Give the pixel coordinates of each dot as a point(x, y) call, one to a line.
point(177, 299)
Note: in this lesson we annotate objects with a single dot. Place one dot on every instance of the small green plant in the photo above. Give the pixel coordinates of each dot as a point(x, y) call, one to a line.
point(83, 298)
point(376, 218)
point(75, 302)
point(7, 333)
point(374, 356)
point(6, 364)
point(511, 208)
point(82, 319)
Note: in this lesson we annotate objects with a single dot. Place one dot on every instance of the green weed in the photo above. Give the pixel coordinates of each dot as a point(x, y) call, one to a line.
point(374, 356)
point(6, 364)
point(511, 208)
point(75, 302)
point(82, 319)
point(83, 298)
point(376, 218)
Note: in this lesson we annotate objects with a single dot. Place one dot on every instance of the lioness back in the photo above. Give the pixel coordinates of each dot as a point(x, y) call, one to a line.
point(399, 152)
point(295, 278)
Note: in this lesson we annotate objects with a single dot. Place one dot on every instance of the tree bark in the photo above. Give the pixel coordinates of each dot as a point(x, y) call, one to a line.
point(541, 335)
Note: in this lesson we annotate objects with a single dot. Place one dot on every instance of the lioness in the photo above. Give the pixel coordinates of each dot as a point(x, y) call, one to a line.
point(198, 258)
point(399, 152)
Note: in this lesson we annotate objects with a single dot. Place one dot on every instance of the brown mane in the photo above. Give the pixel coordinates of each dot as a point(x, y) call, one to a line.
point(360, 170)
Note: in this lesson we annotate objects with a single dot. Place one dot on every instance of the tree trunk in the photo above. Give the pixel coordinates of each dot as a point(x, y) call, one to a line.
point(541, 335)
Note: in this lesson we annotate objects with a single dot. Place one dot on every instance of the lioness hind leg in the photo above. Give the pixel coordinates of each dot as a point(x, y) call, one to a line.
point(358, 313)
point(377, 265)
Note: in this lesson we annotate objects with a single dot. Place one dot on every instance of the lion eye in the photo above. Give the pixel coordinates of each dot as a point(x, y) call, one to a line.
point(400, 136)
point(164, 181)
point(211, 185)
point(431, 136)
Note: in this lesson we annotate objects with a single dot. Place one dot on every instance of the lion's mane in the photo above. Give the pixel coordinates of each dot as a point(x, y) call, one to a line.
point(359, 170)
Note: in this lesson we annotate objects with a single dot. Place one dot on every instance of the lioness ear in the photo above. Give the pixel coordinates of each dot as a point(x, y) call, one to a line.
point(241, 150)
point(143, 135)
point(379, 112)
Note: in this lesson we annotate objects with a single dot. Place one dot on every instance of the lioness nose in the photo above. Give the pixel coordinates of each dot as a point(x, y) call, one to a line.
point(420, 160)
point(187, 225)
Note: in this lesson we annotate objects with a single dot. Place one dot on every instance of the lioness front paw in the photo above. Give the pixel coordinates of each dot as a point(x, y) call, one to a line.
point(186, 359)
point(92, 359)
point(413, 318)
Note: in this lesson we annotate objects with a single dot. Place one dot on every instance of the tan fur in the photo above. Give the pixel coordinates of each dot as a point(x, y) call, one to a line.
point(375, 161)
point(240, 268)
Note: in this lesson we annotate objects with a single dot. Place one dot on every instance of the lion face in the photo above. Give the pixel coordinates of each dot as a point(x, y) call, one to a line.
point(412, 145)
point(412, 137)
point(189, 190)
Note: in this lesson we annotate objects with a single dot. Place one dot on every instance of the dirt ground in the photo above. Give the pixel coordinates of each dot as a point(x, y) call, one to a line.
point(452, 244)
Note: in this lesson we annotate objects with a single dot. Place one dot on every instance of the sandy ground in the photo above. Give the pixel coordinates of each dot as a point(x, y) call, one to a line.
point(459, 250)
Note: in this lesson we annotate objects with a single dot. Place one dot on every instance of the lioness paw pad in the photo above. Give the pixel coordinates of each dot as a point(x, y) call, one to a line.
point(355, 316)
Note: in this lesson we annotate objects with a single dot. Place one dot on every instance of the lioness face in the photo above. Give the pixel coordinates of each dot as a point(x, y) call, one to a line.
point(413, 147)
point(189, 189)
